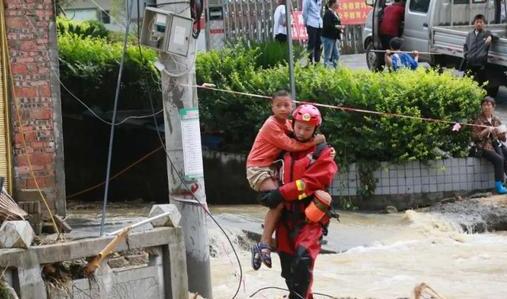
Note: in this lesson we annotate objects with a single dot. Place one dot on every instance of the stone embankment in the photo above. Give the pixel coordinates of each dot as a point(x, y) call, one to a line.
point(480, 213)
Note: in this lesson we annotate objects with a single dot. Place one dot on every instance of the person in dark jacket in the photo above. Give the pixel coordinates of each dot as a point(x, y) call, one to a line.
point(330, 35)
point(476, 48)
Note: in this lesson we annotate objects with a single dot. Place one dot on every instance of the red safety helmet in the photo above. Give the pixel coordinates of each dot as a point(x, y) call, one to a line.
point(307, 113)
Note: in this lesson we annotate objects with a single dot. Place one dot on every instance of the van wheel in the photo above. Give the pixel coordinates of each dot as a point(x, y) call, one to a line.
point(374, 60)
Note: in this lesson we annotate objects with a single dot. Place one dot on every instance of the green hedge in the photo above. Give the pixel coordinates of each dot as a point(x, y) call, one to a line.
point(356, 136)
point(89, 68)
point(89, 65)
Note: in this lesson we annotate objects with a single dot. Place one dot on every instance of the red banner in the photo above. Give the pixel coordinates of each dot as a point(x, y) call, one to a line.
point(353, 12)
point(298, 27)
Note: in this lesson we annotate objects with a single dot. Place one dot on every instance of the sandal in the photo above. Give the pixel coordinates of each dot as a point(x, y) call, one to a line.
point(261, 254)
point(265, 253)
point(256, 257)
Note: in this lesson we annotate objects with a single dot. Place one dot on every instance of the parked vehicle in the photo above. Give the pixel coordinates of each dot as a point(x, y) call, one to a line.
point(440, 28)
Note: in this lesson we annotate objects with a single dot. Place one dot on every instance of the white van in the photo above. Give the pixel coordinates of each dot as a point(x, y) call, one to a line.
point(440, 28)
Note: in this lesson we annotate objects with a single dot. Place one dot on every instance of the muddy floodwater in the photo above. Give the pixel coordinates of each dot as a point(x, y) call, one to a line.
point(380, 256)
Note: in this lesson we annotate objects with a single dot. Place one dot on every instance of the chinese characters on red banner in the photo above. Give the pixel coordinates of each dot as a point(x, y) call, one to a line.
point(352, 12)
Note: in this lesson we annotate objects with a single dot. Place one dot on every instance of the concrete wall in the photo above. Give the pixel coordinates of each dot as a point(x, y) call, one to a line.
point(165, 275)
point(225, 178)
point(467, 174)
point(402, 185)
point(31, 33)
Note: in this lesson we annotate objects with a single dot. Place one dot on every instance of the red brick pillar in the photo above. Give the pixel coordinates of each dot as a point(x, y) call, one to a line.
point(33, 54)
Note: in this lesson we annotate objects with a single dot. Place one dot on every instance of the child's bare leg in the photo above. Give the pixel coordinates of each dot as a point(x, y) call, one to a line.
point(270, 221)
point(261, 252)
point(268, 185)
point(272, 215)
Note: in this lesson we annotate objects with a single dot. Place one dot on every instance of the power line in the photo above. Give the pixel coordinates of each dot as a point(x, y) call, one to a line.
point(97, 116)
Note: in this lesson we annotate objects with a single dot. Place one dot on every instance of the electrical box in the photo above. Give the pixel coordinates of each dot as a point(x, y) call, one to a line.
point(166, 31)
point(215, 25)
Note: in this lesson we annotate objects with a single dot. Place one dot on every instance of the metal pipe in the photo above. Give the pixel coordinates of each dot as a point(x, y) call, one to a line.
point(288, 22)
point(147, 220)
point(113, 120)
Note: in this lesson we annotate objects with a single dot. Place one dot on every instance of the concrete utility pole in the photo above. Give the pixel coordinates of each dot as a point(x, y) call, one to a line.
point(180, 102)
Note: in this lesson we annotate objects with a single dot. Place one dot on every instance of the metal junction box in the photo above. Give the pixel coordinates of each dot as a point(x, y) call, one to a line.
point(166, 31)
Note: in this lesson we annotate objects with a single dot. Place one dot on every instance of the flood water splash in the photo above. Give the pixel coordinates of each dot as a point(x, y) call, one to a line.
point(380, 256)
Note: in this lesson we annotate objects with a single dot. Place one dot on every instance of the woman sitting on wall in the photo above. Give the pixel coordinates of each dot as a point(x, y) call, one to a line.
point(488, 141)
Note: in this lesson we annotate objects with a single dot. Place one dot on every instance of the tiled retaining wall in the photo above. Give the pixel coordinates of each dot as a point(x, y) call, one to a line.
point(466, 174)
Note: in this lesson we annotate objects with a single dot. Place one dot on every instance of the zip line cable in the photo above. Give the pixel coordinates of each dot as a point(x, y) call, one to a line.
point(115, 106)
point(209, 86)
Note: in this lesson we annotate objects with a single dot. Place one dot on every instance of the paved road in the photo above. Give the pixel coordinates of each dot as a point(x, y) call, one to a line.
point(358, 61)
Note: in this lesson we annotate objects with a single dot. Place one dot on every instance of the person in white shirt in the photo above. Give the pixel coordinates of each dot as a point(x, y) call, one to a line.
point(313, 21)
point(280, 23)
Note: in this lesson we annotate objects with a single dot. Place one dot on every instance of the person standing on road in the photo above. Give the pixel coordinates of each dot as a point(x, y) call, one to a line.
point(475, 50)
point(305, 215)
point(313, 22)
point(280, 22)
point(390, 25)
point(331, 32)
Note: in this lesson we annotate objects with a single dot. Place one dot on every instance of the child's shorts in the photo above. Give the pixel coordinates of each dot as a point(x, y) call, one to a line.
point(257, 175)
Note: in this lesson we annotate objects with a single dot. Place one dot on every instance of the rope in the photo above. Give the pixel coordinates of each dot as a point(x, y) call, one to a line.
point(119, 173)
point(410, 52)
point(4, 86)
point(5, 49)
point(209, 86)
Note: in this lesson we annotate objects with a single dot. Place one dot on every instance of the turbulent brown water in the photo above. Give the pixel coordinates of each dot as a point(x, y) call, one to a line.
point(383, 256)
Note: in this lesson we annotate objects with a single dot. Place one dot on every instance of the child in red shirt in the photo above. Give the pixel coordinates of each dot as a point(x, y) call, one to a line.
point(269, 143)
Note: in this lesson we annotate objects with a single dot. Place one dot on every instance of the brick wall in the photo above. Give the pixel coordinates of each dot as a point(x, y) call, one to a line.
point(33, 57)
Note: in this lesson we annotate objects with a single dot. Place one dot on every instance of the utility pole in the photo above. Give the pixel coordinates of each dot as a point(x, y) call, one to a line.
point(288, 22)
point(184, 162)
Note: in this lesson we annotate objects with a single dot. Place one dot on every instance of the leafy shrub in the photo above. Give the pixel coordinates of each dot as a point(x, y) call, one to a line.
point(83, 28)
point(356, 136)
point(89, 68)
point(273, 53)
